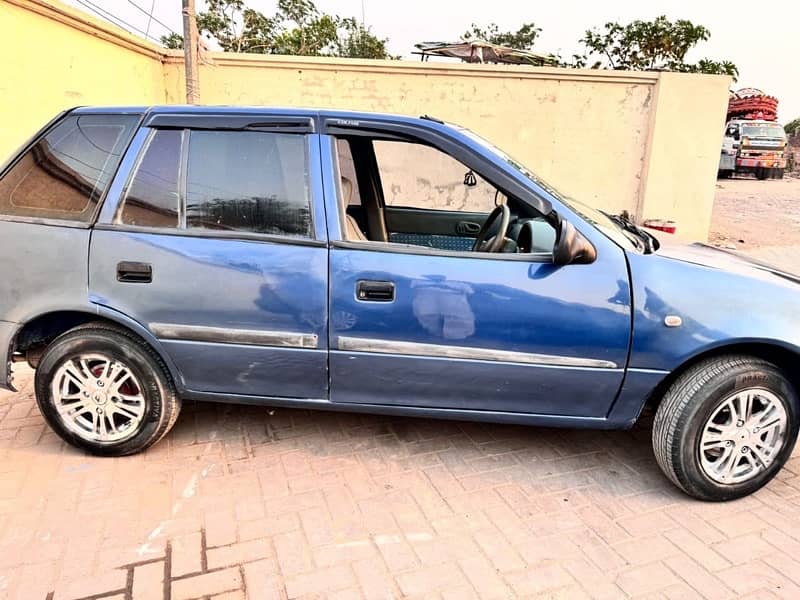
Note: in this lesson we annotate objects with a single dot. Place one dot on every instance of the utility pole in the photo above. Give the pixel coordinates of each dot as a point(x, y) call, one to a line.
point(191, 52)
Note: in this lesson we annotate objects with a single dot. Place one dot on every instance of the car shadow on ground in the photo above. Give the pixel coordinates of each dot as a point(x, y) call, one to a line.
point(474, 455)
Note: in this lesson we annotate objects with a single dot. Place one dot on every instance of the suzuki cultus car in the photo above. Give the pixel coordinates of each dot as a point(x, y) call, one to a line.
point(374, 263)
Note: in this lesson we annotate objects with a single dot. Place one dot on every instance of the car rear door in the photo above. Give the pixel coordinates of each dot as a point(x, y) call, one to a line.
point(216, 243)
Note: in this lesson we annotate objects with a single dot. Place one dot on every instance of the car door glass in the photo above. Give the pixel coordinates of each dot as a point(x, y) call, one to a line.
point(152, 199)
point(248, 181)
point(419, 176)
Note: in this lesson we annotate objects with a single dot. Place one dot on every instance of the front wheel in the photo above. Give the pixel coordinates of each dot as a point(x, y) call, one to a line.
point(103, 390)
point(725, 427)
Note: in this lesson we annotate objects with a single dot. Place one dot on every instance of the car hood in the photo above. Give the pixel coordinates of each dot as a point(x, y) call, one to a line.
point(723, 260)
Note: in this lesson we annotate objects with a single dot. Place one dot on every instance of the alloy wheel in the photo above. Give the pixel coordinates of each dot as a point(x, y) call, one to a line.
point(98, 398)
point(743, 436)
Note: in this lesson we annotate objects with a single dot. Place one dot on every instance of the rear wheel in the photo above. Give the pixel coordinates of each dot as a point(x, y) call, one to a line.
point(103, 390)
point(726, 427)
point(762, 173)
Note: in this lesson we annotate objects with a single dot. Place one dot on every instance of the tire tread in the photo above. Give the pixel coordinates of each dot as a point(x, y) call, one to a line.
point(672, 414)
point(170, 401)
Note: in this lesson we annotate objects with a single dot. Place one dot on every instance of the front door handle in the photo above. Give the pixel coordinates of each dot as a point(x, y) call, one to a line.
point(375, 291)
point(134, 272)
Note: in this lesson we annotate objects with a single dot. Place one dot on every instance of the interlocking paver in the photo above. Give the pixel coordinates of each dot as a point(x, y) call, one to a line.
point(320, 581)
point(702, 554)
point(241, 502)
point(646, 579)
point(206, 584)
point(700, 579)
point(148, 581)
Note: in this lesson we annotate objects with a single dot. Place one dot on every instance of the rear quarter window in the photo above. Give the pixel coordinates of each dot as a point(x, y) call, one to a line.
point(67, 171)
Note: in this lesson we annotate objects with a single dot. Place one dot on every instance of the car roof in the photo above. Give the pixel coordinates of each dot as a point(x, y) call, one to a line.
point(254, 110)
point(543, 194)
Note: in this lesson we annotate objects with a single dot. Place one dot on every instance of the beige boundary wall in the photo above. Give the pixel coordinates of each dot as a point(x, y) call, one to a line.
point(643, 142)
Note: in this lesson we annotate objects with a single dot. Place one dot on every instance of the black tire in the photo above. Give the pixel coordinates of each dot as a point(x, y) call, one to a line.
point(161, 403)
point(691, 401)
point(762, 173)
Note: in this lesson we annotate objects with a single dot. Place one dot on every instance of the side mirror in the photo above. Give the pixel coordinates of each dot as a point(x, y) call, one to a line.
point(571, 247)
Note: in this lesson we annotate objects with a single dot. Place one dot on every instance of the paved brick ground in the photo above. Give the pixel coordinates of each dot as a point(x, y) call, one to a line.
point(242, 502)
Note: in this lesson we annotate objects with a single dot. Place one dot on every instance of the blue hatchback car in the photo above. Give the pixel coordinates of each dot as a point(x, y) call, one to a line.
point(375, 263)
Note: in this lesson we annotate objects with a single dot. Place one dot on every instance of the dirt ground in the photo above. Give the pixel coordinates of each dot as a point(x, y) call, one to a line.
point(750, 214)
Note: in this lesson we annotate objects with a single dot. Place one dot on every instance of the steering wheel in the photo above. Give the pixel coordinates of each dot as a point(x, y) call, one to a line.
point(496, 243)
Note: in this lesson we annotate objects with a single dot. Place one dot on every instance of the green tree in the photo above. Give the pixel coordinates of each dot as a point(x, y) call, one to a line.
point(235, 27)
point(521, 39)
point(356, 41)
point(658, 45)
point(792, 127)
point(298, 28)
point(174, 41)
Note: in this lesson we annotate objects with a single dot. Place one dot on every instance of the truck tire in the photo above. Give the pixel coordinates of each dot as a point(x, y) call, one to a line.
point(762, 173)
point(725, 427)
point(105, 391)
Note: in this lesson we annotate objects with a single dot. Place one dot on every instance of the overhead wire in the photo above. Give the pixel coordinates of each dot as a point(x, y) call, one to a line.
point(150, 15)
point(113, 19)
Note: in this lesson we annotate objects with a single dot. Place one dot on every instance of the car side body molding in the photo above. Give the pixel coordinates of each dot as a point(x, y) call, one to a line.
point(222, 335)
point(354, 344)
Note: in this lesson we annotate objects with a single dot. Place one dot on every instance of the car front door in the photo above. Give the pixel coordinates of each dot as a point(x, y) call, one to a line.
point(424, 326)
point(212, 244)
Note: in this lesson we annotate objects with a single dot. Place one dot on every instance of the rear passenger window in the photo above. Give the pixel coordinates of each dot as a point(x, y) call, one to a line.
point(66, 173)
point(152, 199)
point(248, 181)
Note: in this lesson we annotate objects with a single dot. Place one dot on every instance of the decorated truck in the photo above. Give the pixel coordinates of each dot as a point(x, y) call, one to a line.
point(754, 142)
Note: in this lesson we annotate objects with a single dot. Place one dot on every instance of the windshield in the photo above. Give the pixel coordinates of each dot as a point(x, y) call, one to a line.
point(773, 131)
point(608, 226)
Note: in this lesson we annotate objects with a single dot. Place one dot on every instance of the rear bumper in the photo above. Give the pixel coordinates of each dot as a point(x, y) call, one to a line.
point(7, 331)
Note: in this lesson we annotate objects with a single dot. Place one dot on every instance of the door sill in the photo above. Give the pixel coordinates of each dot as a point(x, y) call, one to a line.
point(486, 416)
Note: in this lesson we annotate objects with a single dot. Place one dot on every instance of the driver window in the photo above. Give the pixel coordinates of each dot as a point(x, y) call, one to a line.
point(419, 176)
point(430, 200)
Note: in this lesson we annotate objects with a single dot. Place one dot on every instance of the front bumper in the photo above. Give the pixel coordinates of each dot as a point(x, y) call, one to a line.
point(764, 163)
point(7, 332)
point(727, 162)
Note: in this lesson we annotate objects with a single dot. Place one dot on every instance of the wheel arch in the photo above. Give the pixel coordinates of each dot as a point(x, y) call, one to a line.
point(786, 358)
point(38, 331)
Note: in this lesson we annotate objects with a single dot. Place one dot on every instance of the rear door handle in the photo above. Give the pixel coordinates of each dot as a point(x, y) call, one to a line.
point(134, 272)
point(375, 291)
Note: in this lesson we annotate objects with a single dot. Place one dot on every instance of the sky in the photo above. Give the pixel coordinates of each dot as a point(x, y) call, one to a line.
point(761, 38)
